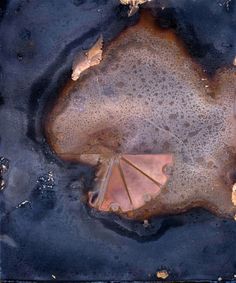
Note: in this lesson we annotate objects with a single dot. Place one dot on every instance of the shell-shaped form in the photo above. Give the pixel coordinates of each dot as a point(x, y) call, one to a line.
point(131, 181)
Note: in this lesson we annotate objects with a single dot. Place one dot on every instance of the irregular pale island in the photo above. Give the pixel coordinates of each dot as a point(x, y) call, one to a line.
point(145, 107)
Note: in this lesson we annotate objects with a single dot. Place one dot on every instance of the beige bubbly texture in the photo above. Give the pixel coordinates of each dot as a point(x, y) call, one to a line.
point(148, 96)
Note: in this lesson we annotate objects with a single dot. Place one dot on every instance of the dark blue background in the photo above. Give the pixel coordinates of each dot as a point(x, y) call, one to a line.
point(55, 233)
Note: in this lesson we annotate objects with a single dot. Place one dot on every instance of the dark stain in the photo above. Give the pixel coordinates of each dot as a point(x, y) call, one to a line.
point(19, 56)
point(77, 3)
point(141, 234)
point(3, 8)
point(25, 34)
point(157, 226)
point(1, 99)
point(43, 196)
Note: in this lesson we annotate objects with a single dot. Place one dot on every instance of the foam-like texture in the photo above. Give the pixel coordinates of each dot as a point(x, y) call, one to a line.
point(147, 96)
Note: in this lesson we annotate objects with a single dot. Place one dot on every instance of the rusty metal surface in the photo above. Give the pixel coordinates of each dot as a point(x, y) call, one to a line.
point(47, 230)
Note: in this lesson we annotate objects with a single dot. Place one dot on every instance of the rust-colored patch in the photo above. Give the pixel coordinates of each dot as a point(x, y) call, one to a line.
point(131, 181)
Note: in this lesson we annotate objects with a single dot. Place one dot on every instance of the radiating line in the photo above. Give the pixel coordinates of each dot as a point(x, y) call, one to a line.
point(131, 164)
point(126, 187)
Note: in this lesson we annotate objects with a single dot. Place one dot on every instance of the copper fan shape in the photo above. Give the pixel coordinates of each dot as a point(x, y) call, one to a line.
point(131, 181)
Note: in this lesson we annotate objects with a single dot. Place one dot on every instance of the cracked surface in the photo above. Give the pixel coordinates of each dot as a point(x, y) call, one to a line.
point(147, 96)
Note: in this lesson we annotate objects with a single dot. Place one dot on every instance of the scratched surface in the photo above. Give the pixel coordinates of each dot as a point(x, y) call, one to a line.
point(47, 230)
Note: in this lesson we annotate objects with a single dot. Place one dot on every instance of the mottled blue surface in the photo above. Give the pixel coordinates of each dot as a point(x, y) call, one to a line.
point(54, 233)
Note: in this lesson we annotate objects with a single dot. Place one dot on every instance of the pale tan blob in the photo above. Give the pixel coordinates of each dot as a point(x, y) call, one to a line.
point(91, 58)
point(162, 274)
point(148, 97)
point(234, 194)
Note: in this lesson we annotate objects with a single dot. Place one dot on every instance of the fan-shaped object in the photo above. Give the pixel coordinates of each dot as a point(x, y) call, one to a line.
point(130, 182)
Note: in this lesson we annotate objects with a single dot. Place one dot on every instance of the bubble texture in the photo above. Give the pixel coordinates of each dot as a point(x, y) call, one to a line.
point(148, 96)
